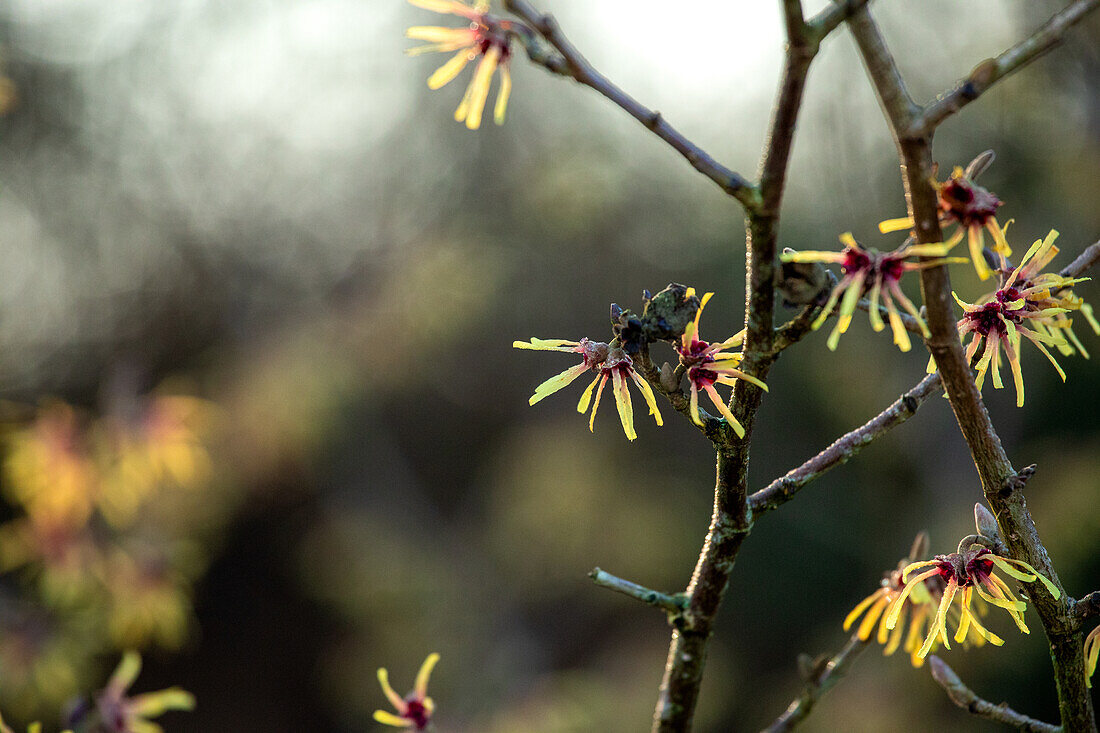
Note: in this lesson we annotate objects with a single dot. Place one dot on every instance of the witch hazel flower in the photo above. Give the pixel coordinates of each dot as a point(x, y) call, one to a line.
point(485, 38)
point(415, 709)
point(609, 363)
point(917, 608)
point(877, 274)
point(118, 712)
point(709, 364)
point(1010, 313)
point(1043, 291)
point(966, 574)
point(973, 209)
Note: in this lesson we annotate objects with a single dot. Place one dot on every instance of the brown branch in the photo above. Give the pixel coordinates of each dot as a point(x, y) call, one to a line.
point(821, 680)
point(826, 21)
point(1000, 483)
point(844, 448)
point(1084, 261)
point(571, 63)
point(966, 699)
point(990, 71)
point(731, 520)
point(1088, 606)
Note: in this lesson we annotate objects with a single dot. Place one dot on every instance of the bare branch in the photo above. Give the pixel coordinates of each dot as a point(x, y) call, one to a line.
point(890, 88)
point(966, 699)
point(826, 21)
point(844, 448)
point(672, 604)
point(1088, 606)
point(823, 677)
point(795, 21)
point(572, 64)
point(990, 71)
point(1084, 261)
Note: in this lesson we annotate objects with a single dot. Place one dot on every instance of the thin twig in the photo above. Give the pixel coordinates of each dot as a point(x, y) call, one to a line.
point(824, 676)
point(1001, 484)
point(572, 63)
point(990, 71)
point(1088, 606)
point(844, 448)
point(826, 21)
point(1084, 261)
point(672, 604)
point(794, 330)
point(966, 699)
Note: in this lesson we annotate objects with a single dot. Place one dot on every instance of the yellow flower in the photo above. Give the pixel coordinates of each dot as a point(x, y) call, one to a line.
point(967, 573)
point(415, 709)
point(999, 320)
point(49, 470)
point(1092, 654)
point(973, 208)
point(868, 270)
point(1043, 291)
point(609, 362)
point(708, 363)
point(131, 714)
point(484, 37)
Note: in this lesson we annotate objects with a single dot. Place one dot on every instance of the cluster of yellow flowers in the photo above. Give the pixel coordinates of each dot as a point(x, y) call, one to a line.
point(104, 538)
point(1028, 302)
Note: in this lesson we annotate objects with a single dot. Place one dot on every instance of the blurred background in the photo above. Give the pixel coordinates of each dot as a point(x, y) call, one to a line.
point(264, 420)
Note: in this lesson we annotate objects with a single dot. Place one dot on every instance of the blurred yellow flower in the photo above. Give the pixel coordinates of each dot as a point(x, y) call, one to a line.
point(131, 714)
point(49, 470)
point(486, 38)
point(415, 709)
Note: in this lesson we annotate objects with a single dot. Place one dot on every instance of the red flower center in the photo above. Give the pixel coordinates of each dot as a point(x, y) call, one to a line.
point(967, 203)
point(988, 318)
point(417, 713)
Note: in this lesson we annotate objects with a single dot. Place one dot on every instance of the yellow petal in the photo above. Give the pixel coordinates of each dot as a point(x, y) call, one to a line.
point(861, 607)
point(479, 87)
point(895, 225)
point(586, 396)
point(555, 383)
point(425, 673)
point(720, 405)
point(974, 240)
point(650, 399)
point(387, 718)
point(596, 403)
point(622, 401)
point(451, 69)
point(438, 34)
point(503, 93)
point(396, 700)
